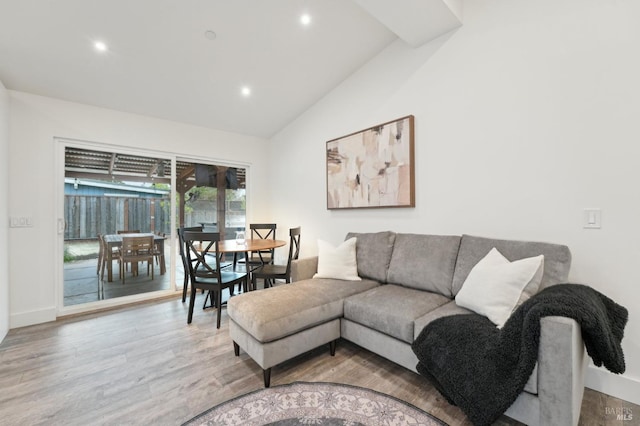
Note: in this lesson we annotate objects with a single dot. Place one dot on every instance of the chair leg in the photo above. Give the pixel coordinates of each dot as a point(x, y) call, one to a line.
point(184, 287)
point(209, 296)
point(192, 301)
point(102, 270)
point(236, 349)
point(219, 304)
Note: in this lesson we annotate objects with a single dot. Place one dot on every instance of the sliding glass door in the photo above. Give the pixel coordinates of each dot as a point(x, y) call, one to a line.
point(109, 196)
point(112, 194)
point(211, 196)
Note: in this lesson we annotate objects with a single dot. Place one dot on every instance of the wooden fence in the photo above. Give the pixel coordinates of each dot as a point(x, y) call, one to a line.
point(87, 216)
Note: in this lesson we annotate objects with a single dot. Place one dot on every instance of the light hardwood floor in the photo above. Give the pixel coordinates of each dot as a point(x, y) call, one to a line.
point(144, 365)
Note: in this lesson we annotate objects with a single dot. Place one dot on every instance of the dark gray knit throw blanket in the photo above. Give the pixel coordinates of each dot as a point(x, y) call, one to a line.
point(483, 369)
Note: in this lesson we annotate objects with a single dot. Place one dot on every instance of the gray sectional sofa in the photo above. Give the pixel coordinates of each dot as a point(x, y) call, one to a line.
point(408, 280)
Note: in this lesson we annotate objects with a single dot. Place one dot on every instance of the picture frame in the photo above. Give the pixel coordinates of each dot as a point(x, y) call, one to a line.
point(372, 168)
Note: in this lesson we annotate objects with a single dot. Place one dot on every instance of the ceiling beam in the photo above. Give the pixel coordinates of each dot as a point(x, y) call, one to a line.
point(119, 178)
point(114, 156)
point(416, 21)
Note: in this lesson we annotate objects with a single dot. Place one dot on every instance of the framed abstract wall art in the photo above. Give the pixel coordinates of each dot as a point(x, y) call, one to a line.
point(372, 168)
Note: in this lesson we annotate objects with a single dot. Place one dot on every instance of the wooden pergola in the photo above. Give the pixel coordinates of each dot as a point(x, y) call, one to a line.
point(88, 164)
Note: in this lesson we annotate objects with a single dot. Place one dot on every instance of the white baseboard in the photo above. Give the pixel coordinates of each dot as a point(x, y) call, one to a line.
point(24, 319)
point(619, 386)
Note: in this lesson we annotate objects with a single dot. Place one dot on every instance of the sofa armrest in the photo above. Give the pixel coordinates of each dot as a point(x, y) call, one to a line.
point(562, 363)
point(303, 269)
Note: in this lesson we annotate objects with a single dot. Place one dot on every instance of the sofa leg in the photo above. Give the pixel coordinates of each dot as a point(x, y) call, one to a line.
point(267, 377)
point(332, 347)
point(236, 349)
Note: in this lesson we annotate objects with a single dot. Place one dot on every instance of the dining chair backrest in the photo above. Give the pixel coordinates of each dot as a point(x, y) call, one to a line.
point(128, 231)
point(137, 246)
point(181, 232)
point(183, 257)
point(136, 249)
point(294, 247)
point(199, 246)
point(262, 231)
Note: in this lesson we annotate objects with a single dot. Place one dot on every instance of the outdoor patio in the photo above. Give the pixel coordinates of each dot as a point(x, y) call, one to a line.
point(83, 285)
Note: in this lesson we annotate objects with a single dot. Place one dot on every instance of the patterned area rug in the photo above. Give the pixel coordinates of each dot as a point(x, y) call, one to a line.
point(303, 403)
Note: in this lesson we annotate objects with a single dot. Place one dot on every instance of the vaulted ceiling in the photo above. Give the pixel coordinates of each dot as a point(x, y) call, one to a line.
point(188, 61)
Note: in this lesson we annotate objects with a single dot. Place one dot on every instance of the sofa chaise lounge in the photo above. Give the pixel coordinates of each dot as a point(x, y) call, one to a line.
point(408, 280)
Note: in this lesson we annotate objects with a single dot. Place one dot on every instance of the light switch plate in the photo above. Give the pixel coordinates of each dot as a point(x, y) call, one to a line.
point(592, 219)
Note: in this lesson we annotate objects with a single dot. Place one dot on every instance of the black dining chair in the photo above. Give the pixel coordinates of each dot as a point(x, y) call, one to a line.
point(183, 257)
point(259, 231)
point(205, 270)
point(270, 272)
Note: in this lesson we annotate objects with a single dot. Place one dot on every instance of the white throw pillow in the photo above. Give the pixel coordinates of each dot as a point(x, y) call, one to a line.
point(338, 262)
point(494, 287)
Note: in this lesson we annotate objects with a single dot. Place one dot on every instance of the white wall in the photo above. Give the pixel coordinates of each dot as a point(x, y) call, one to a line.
point(4, 211)
point(524, 117)
point(35, 121)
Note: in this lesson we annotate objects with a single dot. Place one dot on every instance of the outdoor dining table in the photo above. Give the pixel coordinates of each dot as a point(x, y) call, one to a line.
point(115, 240)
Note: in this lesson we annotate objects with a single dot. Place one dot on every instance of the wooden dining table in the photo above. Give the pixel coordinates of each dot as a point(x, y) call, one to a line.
point(115, 240)
point(245, 246)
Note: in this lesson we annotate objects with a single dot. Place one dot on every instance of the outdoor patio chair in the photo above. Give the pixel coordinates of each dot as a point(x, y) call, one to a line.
point(100, 254)
point(157, 253)
point(134, 250)
point(103, 254)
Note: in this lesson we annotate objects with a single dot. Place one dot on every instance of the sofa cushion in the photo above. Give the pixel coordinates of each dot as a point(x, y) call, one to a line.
point(308, 303)
point(391, 309)
point(495, 286)
point(425, 262)
point(337, 262)
point(448, 309)
point(373, 253)
point(557, 258)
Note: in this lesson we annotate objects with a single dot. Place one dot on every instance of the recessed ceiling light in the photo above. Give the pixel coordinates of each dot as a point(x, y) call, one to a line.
point(100, 46)
point(211, 35)
point(305, 19)
point(246, 91)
